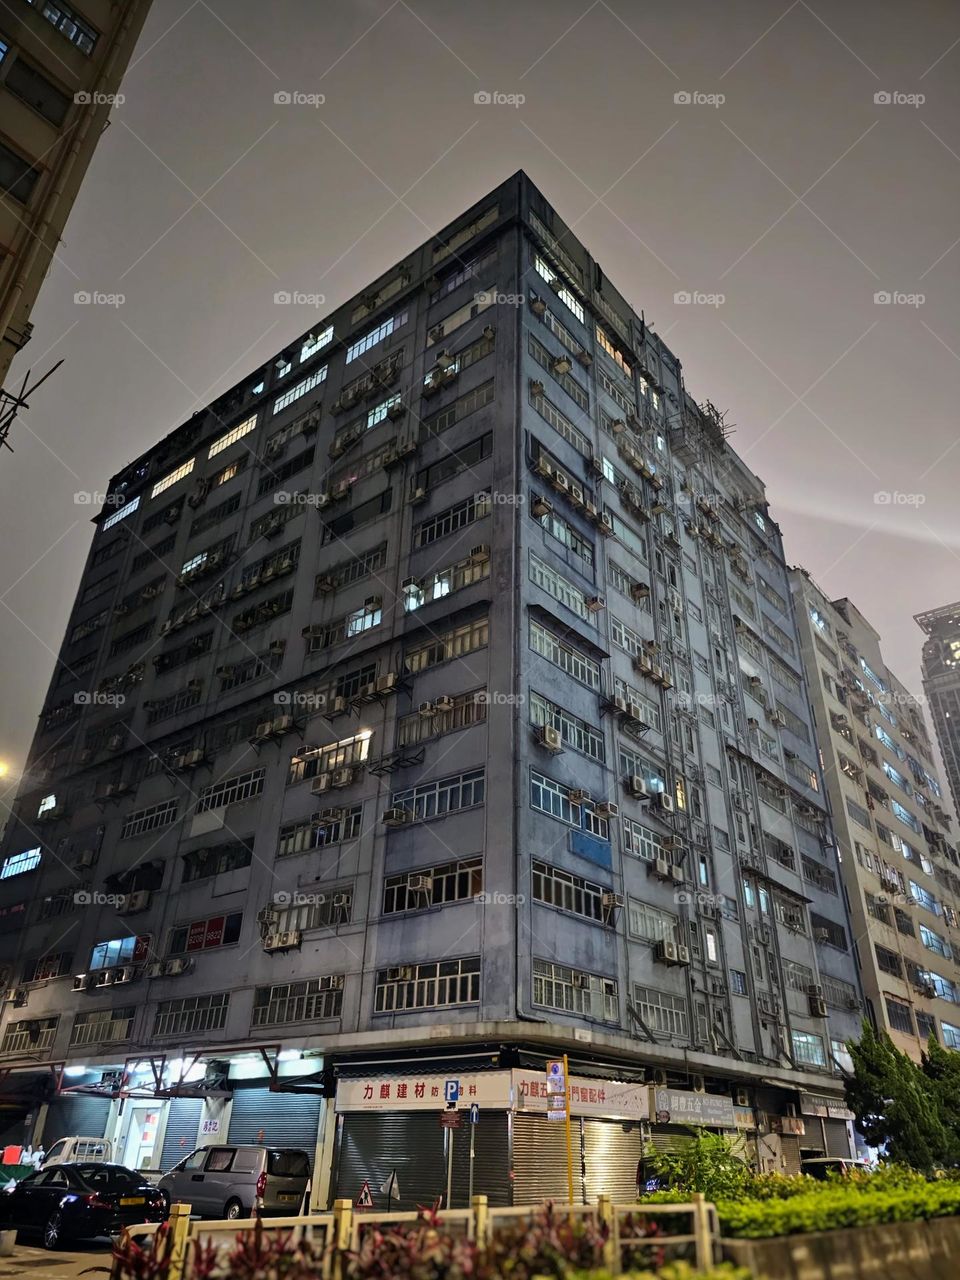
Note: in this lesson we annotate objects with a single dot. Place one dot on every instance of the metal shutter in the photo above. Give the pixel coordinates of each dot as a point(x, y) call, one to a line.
point(180, 1135)
point(671, 1141)
point(264, 1118)
point(75, 1115)
point(491, 1163)
point(611, 1153)
point(838, 1138)
point(540, 1160)
point(372, 1144)
point(790, 1148)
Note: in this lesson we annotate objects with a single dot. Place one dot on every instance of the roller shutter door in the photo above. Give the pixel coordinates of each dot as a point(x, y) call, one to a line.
point(491, 1164)
point(611, 1152)
point(671, 1141)
point(371, 1145)
point(76, 1115)
point(180, 1135)
point(790, 1148)
point(838, 1138)
point(540, 1160)
point(262, 1117)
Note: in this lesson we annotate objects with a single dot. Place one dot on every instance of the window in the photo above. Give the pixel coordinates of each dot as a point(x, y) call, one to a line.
point(17, 177)
point(169, 480)
point(292, 394)
point(206, 934)
point(568, 298)
point(102, 1026)
point(191, 1014)
point(441, 647)
point(888, 961)
point(36, 90)
point(450, 882)
point(307, 1001)
point(556, 888)
point(454, 462)
point(434, 985)
point(370, 339)
point(243, 786)
point(141, 821)
point(119, 951)
point(126, 510)
point(560, 422)
point(738, 982)
point(467, 709)
point(650, 924)
point(368, 616)
point(315, 342)
point(468, 271)
point(641, 842)
point(461, 408)
point(924, 898)
point(319, 831)
point(559, 587)
point(934, 942)
point(563, 654)
point(347, 753)
point(555, 986)
point(233, 435)
point(664, 1013)
point(65, 20)
point(554, 798)
point(355, 569)
point(317, 910)
point(430, 800)
point(569, 384)
point(576, 733)
point(201, 864)
point(17, 863)
point(808, 1049)
point(899, 1015)
point(33, 1036)
point(450, 521)
point(444, 582)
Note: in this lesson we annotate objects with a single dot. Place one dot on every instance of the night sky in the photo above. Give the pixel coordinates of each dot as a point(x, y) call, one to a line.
point(796, 199)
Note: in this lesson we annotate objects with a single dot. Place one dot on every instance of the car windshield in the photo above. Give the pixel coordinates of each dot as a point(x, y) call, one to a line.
point(108, 1177)
point(289, 1164)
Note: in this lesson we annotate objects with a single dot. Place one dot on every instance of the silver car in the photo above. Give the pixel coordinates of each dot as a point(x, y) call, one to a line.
point(234, 1181)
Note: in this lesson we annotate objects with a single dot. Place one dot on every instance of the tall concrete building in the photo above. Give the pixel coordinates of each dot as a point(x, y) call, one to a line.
point(432, 707)
point(941, 683)
point(60, 69)
point(900, 871)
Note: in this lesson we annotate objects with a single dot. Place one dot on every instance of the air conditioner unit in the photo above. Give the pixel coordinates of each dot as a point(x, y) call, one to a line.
point(81, 981)
point(103, 978)
point(596, 603)
point(173, 968)
point(541, 508)
point(664, 801)
point(341, 900)
point(387, 683)
point(320, 784)
point(85, 858)
point(640, 591)
point(550, 738)
point(396, 817)
point(561, 365)
point(443, 704)
point(343, 777)
point(818, 1007)
point(134, 902)
point(677, 873)
point(666, 952)
point(741, 1098)
point(576, 495)
point(283, 724)
point(581, 979)
point(577, 795)
point(561, 482)
point(637, 786)
point(263, 730)
point(445, 359)
point(605, 523)
point(698, 1084)
point(683, 955)
point(338, 706)
point(607, 809)
point(480, 552)
point(611, 901)
point(418, 495)
point(126, 973)
point(285, 941)
point(661, 868)
point(154, 970)
point(635, 712)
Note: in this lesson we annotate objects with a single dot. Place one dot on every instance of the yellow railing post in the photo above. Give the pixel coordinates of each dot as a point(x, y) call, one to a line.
point(481, 1221)
point(702, 1231)
point(342, 1233)
point(607, 1217)
point(179, 1238)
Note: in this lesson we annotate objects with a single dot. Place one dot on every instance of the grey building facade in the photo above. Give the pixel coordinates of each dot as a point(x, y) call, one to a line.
point(432, 704)
point(940, 666)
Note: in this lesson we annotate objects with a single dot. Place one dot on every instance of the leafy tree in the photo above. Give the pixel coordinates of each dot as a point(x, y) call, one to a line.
point(941, 1067)
point(897, 1105)
point(711, 1163)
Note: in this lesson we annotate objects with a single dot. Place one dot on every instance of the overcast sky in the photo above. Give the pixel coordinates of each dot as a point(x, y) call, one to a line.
point(792, 202)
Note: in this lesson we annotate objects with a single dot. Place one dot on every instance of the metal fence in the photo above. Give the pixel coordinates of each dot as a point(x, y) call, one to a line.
point(338, 1233)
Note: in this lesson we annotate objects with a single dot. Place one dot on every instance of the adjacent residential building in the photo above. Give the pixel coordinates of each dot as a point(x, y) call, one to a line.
point(431, 707)
point(941, 684)
point(61, 65)
point(900, 870)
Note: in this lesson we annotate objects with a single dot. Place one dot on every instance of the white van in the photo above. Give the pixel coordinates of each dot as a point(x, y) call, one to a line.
point(69, 1150)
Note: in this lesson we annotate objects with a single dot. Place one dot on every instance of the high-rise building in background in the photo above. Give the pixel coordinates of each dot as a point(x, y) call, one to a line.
point(940, 665)
point(432, 706)
point(901, 873)
point(60, 69)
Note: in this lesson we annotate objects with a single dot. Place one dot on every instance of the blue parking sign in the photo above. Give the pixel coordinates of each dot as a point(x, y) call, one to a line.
point(451, 1090)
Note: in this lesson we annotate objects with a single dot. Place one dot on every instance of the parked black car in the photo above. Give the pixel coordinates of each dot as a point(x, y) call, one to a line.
point(80, 1202)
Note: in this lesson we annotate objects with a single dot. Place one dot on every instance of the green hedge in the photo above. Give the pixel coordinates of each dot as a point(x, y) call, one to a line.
point(837, 1204)
point(672, 1271)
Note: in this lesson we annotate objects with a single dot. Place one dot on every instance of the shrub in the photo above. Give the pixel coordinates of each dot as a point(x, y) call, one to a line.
point(711, 1163)
point(844, 1202)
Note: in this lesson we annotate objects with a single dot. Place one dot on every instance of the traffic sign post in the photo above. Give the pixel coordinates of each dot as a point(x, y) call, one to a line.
point(450, 1120)
point(365, 1199)
point(558, 1106)
point(474, 1121)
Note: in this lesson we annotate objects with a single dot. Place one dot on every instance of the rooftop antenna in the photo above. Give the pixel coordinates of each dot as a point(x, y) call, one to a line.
point(12, 402)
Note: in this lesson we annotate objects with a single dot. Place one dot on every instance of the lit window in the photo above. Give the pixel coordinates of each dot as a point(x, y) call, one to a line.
point(237, 433)
point(122, 514)
point(18, 863)
point(46, 804)
point(383, 330)
point(172, 478)
point(315, 342)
